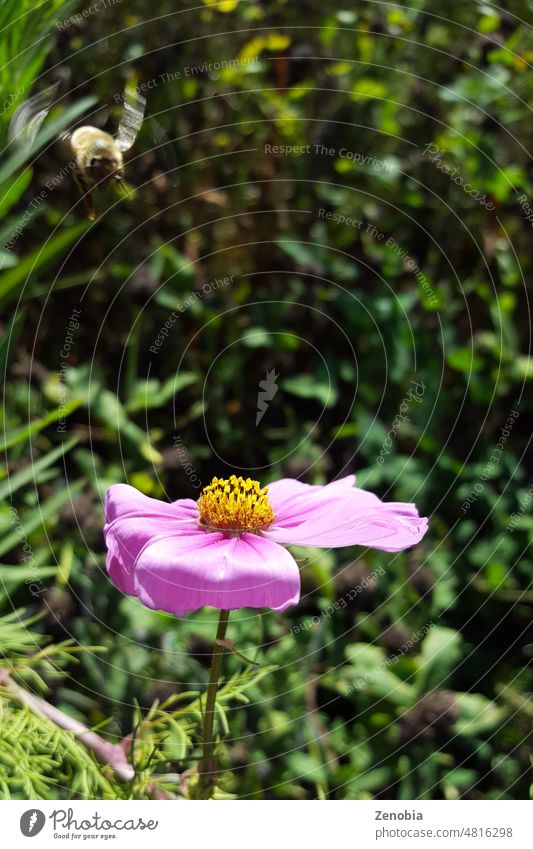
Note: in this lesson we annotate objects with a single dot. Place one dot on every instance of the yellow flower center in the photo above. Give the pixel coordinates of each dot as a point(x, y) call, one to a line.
point(235, 504)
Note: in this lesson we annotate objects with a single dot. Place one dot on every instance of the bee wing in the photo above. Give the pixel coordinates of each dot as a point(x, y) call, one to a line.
point(131, 121)
point(27, 120)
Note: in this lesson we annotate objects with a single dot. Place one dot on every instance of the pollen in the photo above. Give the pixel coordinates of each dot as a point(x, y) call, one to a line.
point(235, 504)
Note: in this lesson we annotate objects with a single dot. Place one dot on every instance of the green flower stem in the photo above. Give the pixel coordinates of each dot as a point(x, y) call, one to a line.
point(207, 770)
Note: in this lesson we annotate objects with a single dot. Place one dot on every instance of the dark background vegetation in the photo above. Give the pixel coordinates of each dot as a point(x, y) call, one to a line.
point(418, 688)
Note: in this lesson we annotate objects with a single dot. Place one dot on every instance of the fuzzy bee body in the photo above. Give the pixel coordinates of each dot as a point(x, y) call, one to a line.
point(97, 156)
point(98, 161)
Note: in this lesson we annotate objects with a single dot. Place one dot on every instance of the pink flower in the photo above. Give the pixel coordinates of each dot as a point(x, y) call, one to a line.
point(227, 550)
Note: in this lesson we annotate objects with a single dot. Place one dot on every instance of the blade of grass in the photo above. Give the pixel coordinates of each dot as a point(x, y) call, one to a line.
point(22, 434)
point(38, 516)
point(32, 470)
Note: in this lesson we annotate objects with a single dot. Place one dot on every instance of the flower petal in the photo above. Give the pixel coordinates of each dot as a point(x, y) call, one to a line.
point(133, 520)
point(119, 568)
point(124, 500)
point(340, 515)
point(293, 506)
point(126, 537)
point(184, 573)
point(282, 491)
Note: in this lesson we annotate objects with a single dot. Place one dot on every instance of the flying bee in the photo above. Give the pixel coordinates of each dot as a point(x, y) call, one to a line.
point(97, 157)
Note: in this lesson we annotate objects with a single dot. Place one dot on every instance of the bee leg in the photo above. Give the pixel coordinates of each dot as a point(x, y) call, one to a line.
point(85, 191)
point(125, 190)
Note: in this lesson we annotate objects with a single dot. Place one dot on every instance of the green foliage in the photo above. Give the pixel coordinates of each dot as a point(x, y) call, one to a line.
point(40, 761)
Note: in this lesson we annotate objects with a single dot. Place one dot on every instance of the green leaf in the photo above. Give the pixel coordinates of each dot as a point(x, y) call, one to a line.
point(464, 360)
point(24, 433)
point(308, 386)
point(368, 781)
point(32, 470)
point(108, 407)
point(441, 651)
point(371, 672)
point(15, 278)
point(14, 191)
point(477, 714)
point(10, 337)
point(38, 516)
point(151, 394)
point(12, 576)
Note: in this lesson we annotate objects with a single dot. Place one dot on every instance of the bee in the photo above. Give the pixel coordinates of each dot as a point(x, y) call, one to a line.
point(96, 156)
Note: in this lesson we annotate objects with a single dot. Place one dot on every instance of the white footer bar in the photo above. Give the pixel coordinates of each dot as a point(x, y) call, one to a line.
point(269, 824)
